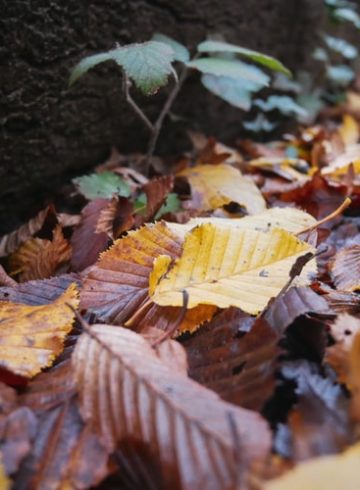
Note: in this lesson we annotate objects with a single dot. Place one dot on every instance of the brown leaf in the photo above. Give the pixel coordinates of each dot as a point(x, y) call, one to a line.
point(66, 453)
point(239, 366)
point(156, 193)
point(40, 259)
point(171, 352)
point(127, 392)
point(295, 302)
point(345, 268)
point(6, 280)
point(41, 292)
point(9, 243)
point(116, 217)
point(116, 288)
point(85, 241)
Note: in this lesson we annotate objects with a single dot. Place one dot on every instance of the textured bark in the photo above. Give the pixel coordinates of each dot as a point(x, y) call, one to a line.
point(50, 132)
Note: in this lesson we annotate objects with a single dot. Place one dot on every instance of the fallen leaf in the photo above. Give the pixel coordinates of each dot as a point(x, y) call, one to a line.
point(102, 185)
point(115, 218)
point(239, 366)
point(326, 473)
point(5, 483)
point(345, 268)
point(349, 130)
point(217, 185)
point(156, 192)
point(116, 288)
point(6, 280)
point(32, 336)
point(228, 267)
point(116, 369)
point(40, 259)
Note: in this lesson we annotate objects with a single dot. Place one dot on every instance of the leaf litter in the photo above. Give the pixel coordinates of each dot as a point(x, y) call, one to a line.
point(199, 329)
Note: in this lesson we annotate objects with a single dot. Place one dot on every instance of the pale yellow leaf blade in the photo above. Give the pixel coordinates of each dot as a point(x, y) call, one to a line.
point(32, 336)
point(229, 267)
point(213, 186)
point(290, 219)
point(325, 473)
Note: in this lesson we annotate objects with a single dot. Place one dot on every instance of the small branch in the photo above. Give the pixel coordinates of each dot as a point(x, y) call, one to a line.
point(165, 110)
point(133, 104)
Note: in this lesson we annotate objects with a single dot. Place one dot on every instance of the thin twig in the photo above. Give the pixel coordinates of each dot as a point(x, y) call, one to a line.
point(133, 104)
point(165, 110)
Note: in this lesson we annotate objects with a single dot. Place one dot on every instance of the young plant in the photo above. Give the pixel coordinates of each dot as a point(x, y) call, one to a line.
point(148, 66)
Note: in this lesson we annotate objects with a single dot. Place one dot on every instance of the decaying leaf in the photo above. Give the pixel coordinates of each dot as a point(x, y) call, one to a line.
point(40, 259)
point(345, 268)
point(216, 185)
point(290, 219)
point(228, 267)
point(326, 473)
point(5, 279)
point(126, 392)
point(32, 336)
point(116, 289)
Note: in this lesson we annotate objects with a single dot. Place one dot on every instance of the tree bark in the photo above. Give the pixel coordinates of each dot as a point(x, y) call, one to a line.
point(50, 133)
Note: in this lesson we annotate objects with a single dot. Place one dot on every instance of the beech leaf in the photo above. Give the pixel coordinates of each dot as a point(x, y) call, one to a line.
point(102, 185)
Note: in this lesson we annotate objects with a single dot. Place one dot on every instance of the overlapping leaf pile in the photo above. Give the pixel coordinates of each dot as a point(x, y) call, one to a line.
point(195, 330)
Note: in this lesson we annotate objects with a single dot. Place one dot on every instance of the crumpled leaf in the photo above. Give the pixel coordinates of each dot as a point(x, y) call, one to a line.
point(127, 393)
point(217, 185)
point(147, 64)
point(345, 268)
point(239, 368)
point(228, 267)
point(290, 219)
point(32, 336)
point(326, 473)
point(40, 259)
point(102, 185)
point(9, 243)
point(116, 288)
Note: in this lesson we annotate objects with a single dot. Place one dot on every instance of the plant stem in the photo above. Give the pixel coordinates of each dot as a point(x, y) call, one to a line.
point(133, 104)
point(159, 122)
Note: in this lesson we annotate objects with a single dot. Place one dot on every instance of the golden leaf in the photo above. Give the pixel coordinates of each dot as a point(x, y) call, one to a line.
point(32, 336)
point(228, 267)
point(5, 483)
point(325, 473)
point(290, 219)
point(214, 186)
point(349, 130)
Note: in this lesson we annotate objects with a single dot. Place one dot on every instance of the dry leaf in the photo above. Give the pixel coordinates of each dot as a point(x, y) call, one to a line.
point(345, 268)
point(41, 259)
point(326, 473)
point(115, 218)
point(116, 288)
point(126, 392)
point(6, 280)
point(290, 219)
point(349, 130)
point(228, 267)
point(32, 336)
point(217, 185)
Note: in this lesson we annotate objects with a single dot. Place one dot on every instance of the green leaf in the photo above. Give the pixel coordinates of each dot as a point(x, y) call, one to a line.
point(103, 185)
point(320, 54)
point(347, 14)
point(263, 59)
point(283, 103)
point(140, 204)
point(282, 82)
point(181, 52)
point(171, 205)
point(147, 64)
point(341, 46)
point(260, 123)
point(340, 75)
point(230, 68)
point(312, 103)
point(232, 90)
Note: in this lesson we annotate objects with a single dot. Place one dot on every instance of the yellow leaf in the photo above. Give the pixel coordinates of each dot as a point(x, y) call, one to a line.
point(228, 267)
point(325, 473)
point(214, 186)
point(349, 130)
point(290, 219)
point(32, 336)
point(340, 165)
point(5, 483)
point(287, 168)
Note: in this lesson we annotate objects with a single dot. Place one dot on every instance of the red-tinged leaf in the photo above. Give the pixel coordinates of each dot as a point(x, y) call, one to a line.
point(239, 366)
point(86, 242)
point(40, 259)
point(345, 268)
point(9, 243)
point(171, 352)
point(116, 217)
point(6, 280)
point(319, 422)
point(116, 288)
point(127, 393)
point(156, 192)
point(41, 292)
point(343, 302)
point(297, 301)
point(66, 453)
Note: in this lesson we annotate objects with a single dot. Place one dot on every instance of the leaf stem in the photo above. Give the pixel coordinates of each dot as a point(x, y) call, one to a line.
point(133, 104)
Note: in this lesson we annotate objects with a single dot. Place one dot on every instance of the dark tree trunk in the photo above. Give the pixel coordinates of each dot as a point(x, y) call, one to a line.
point(49, 133)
